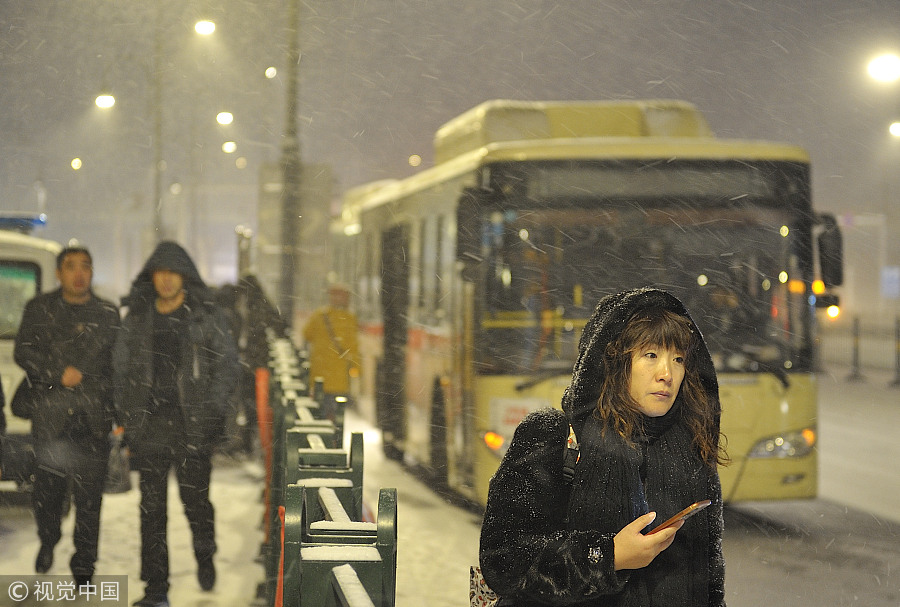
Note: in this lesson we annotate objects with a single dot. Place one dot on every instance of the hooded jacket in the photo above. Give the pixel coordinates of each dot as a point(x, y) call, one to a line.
point(548, 542)
point(208, 369)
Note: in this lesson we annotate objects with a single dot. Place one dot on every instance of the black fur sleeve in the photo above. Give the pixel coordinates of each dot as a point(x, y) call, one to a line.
point(526, 553)
point(716, 560)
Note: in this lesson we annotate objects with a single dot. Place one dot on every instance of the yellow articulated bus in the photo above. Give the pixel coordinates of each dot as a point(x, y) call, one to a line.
point(474, 278)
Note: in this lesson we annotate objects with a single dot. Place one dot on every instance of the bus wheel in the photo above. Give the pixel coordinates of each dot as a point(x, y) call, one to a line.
point(438, 434)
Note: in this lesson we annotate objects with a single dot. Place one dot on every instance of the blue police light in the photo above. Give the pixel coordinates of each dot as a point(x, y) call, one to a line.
point(22, 222)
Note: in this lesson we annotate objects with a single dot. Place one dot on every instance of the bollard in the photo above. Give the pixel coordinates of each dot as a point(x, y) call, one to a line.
point(855, 374)
point(318, 392)
point(896, 382)
point(264, 424)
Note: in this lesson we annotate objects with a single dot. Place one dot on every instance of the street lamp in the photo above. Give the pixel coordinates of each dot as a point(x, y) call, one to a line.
point(885, 68)
point(105, 101)
point(204, 27)
point(201, 27)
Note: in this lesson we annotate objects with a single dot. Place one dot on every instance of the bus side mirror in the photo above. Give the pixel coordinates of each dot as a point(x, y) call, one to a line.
point(831, 251)
point(827, 300)
point(468, 226)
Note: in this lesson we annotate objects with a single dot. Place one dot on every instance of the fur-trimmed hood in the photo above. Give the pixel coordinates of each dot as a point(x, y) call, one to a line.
point(607, 322)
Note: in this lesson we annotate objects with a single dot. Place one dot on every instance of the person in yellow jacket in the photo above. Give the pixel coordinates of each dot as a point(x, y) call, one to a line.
point(330, 336)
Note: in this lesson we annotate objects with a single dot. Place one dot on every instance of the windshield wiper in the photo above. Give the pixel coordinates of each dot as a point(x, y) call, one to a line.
point(542, 376)
point(775, 369)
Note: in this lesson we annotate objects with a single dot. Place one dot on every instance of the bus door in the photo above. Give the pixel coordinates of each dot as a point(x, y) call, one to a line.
point(391, 393)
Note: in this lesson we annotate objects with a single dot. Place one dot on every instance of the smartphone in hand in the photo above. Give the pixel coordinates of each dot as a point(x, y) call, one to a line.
point(686, 513)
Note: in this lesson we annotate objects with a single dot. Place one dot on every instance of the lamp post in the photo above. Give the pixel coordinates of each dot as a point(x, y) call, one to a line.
point(106, 101)
point(886, 68)
point(156, 104)
point(290, 167)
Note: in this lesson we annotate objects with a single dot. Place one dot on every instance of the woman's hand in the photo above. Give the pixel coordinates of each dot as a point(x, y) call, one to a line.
point(634, 550)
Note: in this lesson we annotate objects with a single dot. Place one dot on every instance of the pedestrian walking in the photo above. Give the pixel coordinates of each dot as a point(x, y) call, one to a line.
point(570, 510)
point(331, 336)
point(250, 315)
point(175, 369)
point(64, 344)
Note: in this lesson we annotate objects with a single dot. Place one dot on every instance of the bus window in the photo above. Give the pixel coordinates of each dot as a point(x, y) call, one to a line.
point(440, 266)
point(18, 284)
point(427, 269)
point(369, 294)
point(547, 270)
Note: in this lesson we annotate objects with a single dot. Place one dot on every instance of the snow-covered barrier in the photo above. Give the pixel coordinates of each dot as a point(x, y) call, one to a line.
point(318, 550)
point(319, 535)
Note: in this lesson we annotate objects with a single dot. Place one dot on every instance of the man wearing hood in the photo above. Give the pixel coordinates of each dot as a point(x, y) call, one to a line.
point(643, 407)
point(175, 366)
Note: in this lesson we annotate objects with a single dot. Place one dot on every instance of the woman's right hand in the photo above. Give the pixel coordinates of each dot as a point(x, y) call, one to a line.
point(634, 550)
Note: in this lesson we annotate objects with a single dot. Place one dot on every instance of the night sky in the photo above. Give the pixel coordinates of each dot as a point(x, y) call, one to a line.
point(378, 77)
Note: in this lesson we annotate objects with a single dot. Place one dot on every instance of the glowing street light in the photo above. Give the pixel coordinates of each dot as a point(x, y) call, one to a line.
point(224, 118)
point(885, 68)
point(204, 28)
point(105, 101)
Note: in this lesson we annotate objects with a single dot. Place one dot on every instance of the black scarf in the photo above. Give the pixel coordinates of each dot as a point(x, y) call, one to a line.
point(609, 491)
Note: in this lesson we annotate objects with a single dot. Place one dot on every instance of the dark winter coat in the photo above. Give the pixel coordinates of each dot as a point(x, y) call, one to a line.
point(250, 315)
point(54, 335)
point(209, 366)
point(548, 542)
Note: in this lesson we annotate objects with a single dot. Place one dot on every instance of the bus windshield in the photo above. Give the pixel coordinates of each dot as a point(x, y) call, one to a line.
point(737, 268)
point(18, 284)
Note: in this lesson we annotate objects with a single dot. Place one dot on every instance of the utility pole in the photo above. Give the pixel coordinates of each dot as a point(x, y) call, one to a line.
point(290, 166)
point(156, 83)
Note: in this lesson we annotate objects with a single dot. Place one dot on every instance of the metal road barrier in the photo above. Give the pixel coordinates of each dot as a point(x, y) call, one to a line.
point(318, 550)
point(320, 535)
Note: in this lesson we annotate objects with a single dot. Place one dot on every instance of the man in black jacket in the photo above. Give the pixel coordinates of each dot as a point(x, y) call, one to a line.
point(64, 345)
point(176, 366)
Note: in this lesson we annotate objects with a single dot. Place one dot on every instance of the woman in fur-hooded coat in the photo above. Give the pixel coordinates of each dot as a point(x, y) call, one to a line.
point(549, 541)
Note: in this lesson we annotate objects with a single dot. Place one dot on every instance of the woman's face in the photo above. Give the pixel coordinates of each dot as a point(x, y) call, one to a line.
point(656, 376)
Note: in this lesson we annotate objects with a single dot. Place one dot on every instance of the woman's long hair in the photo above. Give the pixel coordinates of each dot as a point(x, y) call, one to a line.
point(620, 412)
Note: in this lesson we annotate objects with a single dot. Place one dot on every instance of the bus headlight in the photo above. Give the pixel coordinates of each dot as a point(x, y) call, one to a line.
point(789, 444)
point(495, 442)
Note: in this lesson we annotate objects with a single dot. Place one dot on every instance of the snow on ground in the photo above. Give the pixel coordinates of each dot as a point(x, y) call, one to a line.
point(235, 493)
point(437, 540)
